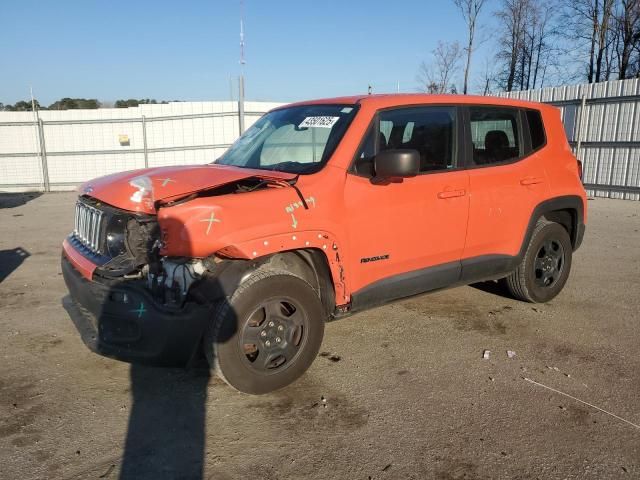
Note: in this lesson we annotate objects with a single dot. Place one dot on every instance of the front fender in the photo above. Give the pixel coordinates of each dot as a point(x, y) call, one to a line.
point(319, 240)
point(204, 225)
point(253, 225)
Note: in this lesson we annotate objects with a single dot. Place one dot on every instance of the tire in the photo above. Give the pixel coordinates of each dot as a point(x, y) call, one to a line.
point(545, 267)
point(267, 334)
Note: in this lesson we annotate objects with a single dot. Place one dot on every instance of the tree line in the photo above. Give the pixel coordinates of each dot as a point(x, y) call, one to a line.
point(78, 103)
point(539, 42)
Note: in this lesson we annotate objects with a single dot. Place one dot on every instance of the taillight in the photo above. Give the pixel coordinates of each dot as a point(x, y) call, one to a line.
point(579, 169)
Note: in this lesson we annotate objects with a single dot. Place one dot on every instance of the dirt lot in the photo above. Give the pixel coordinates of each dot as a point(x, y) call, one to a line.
point(401, 392)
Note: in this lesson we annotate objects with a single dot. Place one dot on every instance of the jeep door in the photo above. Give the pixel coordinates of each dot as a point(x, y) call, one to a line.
point(506, 181)
point(407, 235)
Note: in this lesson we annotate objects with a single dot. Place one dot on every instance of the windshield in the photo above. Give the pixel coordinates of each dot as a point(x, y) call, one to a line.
point(294, 140)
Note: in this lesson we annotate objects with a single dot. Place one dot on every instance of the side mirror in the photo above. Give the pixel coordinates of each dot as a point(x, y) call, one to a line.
point(399, 163)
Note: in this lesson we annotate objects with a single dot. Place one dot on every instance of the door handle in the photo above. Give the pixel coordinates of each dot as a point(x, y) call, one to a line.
point(452, 193)
point(531, 181)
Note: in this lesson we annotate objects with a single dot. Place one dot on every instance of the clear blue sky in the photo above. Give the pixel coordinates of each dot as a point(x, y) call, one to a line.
point(187, 49)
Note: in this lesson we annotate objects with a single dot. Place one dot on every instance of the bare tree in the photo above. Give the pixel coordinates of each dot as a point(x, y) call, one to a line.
point(512, 15)
point(525, 37)
point(487, 80)
point(539, 45)
point(588, 26)
point(470, 10)
point(601, 38)
point(636, 50)
point(437, 76)
point(627, 37)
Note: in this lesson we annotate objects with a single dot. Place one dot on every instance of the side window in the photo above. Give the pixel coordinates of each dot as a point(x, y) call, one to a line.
point(408, 131)
point(536, 129)
point(363, 164)
point(429, 130)
point(495, 134)
point(385, 129)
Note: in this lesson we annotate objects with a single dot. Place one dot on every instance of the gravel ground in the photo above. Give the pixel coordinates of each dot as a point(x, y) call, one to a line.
point(401, 391)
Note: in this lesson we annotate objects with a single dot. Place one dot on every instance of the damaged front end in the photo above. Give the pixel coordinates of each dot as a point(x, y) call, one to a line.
point(118, 242)
point(133, 304)
point(140, 263)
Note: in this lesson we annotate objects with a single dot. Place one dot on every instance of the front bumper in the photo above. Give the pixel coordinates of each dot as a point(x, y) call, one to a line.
point(124, 322)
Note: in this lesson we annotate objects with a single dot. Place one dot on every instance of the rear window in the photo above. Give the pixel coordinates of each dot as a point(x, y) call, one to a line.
point(536, 128)
point(494, 133)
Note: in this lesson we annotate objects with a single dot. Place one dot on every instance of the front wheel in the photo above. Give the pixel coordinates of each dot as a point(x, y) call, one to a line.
point(267, 334)
point(545, 267)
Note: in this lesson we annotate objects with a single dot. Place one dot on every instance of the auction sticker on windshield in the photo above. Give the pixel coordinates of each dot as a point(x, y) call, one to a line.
point(320, 122)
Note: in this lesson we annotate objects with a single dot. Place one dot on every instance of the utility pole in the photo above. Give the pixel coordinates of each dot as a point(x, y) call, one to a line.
point(241, 78)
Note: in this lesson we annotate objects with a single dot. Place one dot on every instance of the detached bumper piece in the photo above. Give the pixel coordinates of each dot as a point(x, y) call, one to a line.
point(125, 323)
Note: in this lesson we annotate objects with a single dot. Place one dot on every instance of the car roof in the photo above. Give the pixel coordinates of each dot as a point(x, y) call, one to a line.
point(385, 100)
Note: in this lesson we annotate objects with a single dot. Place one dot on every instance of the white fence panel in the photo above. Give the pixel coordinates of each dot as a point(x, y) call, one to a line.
point(82, 144)
point(609, 136)
point(68, 147)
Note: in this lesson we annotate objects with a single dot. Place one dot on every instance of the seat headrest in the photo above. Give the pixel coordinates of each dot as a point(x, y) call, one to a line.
point(496, 139)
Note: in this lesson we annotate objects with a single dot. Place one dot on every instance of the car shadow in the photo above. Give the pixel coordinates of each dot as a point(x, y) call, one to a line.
point(166, 431)
point(492, 286)
point(12, 200)
point(10, 260)
point(166, 434)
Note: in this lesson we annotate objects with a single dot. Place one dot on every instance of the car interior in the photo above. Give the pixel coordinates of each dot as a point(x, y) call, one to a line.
point(431, 134)
point(494, 134)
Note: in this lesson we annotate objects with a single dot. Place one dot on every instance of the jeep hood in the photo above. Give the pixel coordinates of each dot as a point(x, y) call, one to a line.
point(144, 190)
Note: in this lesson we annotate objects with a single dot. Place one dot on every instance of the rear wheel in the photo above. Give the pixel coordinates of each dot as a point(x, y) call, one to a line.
point(545, 267)
point(267, 334)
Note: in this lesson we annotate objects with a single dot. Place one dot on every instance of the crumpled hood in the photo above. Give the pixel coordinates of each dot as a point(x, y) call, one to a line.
point(139, 190)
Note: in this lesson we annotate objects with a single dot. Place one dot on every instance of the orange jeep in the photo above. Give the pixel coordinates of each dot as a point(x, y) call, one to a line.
point(319, 210)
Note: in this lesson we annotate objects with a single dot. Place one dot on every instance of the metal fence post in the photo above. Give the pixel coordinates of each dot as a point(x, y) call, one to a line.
point(144, 142)
point(241, 104)
point(583, 103)
point(43, 156)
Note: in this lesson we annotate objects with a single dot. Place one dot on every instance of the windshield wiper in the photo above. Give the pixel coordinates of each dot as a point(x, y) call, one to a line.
point(289, 167)
point(292, 183)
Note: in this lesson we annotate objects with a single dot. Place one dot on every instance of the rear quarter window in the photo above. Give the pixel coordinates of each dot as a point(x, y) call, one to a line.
point(536, 129)
point(495, 134)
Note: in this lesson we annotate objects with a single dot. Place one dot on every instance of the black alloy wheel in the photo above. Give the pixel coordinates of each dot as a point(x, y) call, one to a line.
point(549, 263)
point(544, 269)
point(273, 334)
point(267, 334)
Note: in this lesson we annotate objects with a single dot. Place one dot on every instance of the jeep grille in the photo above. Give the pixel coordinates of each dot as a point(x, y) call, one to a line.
point(88, 226)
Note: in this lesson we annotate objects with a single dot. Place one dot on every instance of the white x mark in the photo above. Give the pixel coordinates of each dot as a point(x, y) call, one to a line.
point(212, 219)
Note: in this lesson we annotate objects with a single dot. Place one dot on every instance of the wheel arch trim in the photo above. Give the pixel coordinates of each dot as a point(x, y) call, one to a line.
point(319, 249)
point(573, 204)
